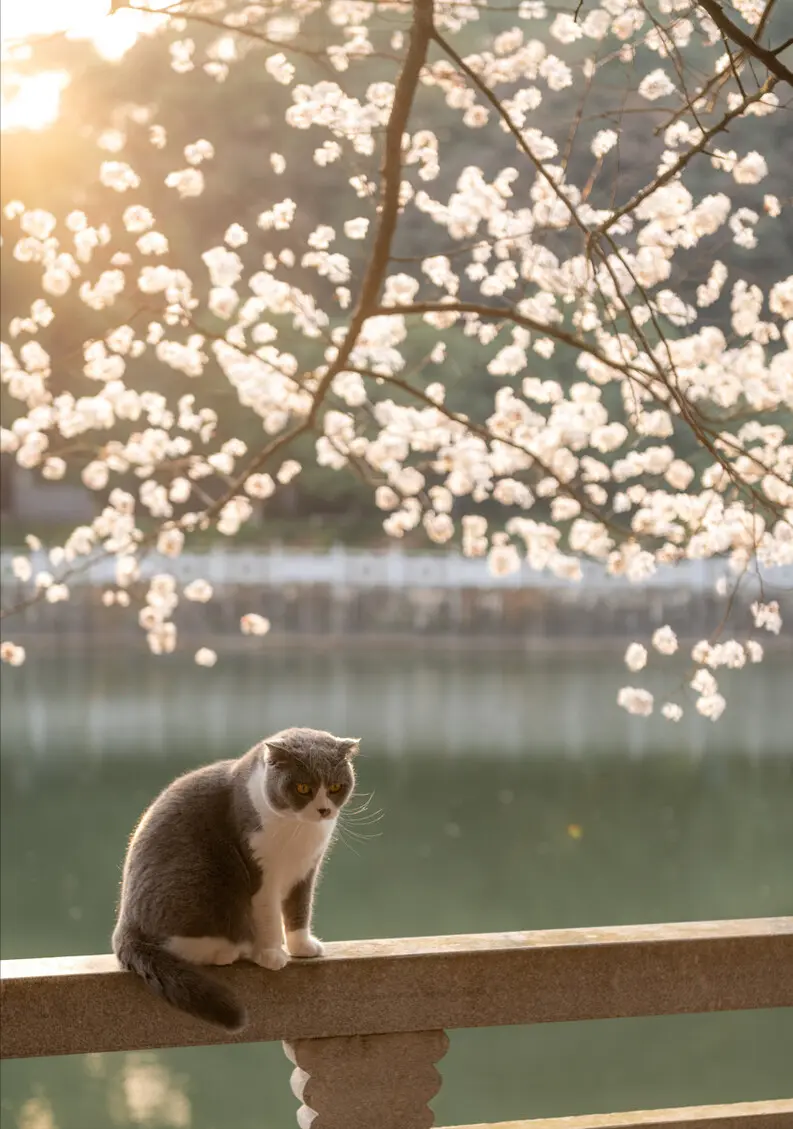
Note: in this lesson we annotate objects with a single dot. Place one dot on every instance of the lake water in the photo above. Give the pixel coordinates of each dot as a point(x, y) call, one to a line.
point(515, 795)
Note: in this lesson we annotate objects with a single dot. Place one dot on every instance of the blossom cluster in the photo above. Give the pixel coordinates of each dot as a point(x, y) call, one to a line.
point(641, 385)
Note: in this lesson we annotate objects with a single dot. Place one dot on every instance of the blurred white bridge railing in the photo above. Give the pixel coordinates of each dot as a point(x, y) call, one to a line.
point(395, 568)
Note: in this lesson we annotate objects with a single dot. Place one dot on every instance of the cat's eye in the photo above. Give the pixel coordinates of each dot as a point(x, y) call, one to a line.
point(332, 788)
point(303, 789)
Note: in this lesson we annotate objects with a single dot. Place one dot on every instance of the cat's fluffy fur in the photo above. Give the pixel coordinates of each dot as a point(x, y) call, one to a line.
point(222, 866)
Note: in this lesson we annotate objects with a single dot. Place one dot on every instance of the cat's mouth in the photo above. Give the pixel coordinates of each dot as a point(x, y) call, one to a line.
point(314, 816)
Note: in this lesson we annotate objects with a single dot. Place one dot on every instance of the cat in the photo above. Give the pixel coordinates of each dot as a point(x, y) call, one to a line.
point(223, 865)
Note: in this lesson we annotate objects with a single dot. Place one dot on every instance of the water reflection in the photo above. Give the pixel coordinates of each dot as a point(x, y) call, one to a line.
point(36, 1113)
point(152, 1096)
point(514, 795)
point(454, 703)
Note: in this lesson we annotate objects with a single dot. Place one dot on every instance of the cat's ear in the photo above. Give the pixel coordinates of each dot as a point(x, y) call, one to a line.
point(349, 746)
point(276, 752)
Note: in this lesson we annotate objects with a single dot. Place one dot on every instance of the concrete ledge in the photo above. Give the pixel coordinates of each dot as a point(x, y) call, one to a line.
point(743, 1115)
point(76, 1005)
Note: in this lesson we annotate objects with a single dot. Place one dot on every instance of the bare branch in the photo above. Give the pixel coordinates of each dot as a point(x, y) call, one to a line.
point(633, 372)
point(731, 31)
point(404, 94)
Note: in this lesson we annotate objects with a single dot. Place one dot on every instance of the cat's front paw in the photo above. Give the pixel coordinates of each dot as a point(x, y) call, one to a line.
point(270, 958)
point(302, 944)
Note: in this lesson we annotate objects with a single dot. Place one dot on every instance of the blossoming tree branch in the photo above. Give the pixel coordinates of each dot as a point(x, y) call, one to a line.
point(640, 369)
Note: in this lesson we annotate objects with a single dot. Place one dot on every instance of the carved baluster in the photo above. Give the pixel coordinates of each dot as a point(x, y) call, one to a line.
point(367, 1081)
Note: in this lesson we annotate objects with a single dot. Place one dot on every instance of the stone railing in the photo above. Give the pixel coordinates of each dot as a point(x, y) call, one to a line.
point(365, 1051)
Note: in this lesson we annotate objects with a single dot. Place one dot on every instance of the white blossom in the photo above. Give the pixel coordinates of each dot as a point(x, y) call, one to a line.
point(253, 624)
point(95, 475)
point(704, 682)
point(603, 142)
point(38, 223)
point(259, 485)
point(12, 653)
point(170, 541)
point(665, 640)
point(198, 151)
point(236, 235)
point(503, 560)
point(767, 616)
point(751, 169)
point(780, 300)
point(224, 266)
point(152, 243)
point(636, 657)
point(118, 175)
point(233, 515)
point(656, 85)
point(137, 218)
point(711, 705)
point(356, 228)
point(187, 182)
point(22, 568)
point(635, 700)
point(198, 590)
point(386, 498)
point(280, 68)
point(111, 140)
point(288, 470)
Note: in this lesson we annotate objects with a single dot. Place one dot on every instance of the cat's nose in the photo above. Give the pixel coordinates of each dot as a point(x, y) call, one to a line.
point(324, 812)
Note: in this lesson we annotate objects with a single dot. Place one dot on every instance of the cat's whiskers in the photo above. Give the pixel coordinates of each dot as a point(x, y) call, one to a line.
point(360, 816)
point(363, 807)
point(355, 833)
point(373, 817)
point(365, 820)
point(341, 834)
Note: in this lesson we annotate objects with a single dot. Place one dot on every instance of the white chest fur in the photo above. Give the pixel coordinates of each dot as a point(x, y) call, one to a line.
point(286, 848)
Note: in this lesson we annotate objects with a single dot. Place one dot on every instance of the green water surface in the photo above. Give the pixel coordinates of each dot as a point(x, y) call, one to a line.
point(514, 795)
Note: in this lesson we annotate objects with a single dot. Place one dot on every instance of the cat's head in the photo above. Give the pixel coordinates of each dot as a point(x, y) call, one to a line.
point(309, 772)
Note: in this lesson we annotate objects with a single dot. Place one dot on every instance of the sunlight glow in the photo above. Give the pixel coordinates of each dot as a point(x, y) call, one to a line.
point(36, 101)
point(32, 101)
point(22, 19)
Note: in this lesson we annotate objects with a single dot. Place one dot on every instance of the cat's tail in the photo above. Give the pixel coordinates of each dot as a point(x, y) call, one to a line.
point(178, 982)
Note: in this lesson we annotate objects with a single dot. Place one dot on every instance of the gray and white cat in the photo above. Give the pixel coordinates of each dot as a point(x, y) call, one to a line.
point(223, 864)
